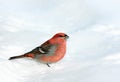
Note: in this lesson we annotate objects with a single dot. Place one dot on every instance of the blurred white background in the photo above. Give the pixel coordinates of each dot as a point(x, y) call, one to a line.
point(93, 50)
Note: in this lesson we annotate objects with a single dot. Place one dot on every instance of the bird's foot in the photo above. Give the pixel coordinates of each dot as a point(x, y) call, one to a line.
point(48, 65)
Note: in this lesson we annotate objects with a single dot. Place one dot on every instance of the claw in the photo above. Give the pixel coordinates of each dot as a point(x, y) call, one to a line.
point(48, 65)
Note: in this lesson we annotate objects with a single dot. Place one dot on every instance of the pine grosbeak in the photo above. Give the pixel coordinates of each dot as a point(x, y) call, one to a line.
point(51, 51)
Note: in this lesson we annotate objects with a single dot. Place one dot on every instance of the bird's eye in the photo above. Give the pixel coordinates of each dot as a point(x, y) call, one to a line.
point(61, 36)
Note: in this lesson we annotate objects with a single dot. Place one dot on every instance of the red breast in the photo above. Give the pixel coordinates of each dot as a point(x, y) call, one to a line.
point(58, 55)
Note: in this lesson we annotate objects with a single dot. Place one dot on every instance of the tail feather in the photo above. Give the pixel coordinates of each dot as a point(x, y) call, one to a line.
point(16, 57)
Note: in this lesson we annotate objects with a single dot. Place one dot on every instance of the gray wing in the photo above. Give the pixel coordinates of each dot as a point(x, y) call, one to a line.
point(46, 48)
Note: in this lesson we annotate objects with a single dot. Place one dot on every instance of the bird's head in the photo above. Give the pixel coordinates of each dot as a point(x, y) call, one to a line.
point(61, 36)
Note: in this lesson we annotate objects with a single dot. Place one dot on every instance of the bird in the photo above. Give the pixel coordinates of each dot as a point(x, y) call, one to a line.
point(51, 51)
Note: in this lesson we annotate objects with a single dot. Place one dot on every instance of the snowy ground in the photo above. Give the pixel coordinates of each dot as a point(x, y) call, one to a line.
point(93, 50)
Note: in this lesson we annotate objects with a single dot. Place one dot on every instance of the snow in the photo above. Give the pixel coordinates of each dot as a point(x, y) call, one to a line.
point(93, 49)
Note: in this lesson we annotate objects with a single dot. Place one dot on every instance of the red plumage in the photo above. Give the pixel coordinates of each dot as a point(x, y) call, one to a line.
point(51, 51)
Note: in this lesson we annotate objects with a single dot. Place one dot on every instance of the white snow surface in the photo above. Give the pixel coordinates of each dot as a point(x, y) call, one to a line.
point(93, 49)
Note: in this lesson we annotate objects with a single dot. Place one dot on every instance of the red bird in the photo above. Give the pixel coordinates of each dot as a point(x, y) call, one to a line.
point(49, 52)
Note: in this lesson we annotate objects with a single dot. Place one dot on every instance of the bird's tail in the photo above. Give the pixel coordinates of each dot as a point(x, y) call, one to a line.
point(16, 57)
point(22, 56)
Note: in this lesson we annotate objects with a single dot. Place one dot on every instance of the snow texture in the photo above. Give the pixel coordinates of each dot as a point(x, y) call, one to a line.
point(93, 50)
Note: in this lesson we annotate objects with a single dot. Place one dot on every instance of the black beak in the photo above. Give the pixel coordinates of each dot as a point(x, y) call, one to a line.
point(66, 36)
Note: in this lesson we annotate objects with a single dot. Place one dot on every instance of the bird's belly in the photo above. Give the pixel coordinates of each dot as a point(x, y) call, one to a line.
point(53, 58)
point(50, 59)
